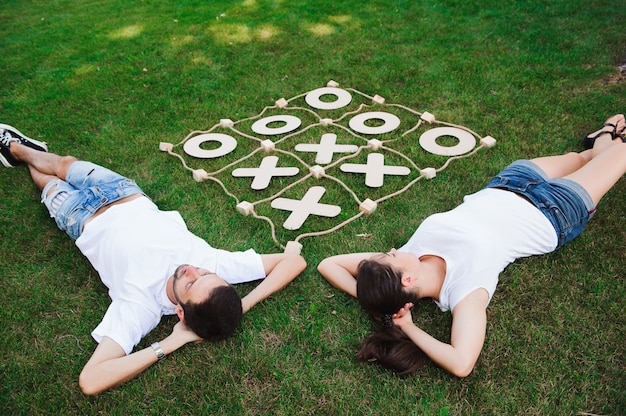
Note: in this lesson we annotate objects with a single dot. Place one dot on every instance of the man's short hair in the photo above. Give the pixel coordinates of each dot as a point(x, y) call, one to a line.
point(217, 317)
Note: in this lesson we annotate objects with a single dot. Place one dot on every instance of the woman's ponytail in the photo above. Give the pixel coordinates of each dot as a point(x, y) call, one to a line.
point(380, 293)
point(392, 349)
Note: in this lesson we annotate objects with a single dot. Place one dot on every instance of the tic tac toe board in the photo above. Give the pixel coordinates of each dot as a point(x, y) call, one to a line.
point(311, 164)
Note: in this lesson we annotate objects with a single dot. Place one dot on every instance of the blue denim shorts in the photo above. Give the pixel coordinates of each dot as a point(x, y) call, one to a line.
point(88, 188)
point(564, 202)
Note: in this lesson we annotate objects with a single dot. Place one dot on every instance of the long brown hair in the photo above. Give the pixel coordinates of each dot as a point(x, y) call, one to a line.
point(380, 293)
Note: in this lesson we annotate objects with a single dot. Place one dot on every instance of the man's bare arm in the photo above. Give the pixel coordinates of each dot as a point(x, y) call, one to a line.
point(109, 366)
point(280, 269)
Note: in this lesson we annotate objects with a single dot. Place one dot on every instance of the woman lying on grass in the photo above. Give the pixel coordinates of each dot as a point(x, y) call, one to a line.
point(532, 207)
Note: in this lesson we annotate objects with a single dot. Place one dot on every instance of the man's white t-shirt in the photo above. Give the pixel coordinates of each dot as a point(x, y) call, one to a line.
point(479, 238)
point(135, 247)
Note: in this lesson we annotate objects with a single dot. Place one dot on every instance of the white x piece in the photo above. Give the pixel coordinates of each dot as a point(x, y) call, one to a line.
point(326, 148)
point(308, 205)
point(265, 172)
point(375, 170)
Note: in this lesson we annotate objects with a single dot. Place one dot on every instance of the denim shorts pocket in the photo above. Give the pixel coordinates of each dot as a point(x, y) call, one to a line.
point(72, 223)
point(568, 226)
point(76, 209)
point(560, 222)
point(514, 184)
point(126, 184)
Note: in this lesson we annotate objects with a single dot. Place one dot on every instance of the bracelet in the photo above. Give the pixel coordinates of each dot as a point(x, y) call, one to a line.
point(158, 351)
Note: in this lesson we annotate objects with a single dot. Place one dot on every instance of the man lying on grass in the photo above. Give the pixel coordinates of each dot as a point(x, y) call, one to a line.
point(144, 256)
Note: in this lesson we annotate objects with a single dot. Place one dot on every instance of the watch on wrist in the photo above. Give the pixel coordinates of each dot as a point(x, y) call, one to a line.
point(158, 351)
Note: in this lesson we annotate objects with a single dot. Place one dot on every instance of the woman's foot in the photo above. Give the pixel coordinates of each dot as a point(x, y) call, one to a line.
point(614, 127)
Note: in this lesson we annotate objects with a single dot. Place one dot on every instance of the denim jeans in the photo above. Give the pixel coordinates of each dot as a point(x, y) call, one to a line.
point(564, 202)
point(89, 187)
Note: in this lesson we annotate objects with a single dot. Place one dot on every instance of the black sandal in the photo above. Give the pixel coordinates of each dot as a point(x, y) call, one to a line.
point(589, 141)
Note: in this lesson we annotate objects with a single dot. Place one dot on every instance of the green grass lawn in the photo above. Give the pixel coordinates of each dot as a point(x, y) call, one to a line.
point(109, 80)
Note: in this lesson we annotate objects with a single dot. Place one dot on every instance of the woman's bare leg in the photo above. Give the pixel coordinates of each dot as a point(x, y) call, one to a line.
point(603, 171)
point(564, 165)
point(605, 140)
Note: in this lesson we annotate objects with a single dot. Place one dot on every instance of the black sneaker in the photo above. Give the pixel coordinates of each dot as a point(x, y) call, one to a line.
point(10, 134)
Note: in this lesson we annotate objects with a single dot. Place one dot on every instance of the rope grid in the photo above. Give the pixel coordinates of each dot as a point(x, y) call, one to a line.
point(366, 206)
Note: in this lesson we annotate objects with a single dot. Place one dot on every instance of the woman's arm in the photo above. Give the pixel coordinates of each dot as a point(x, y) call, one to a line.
point(340, 270)
point(280, 269)
point(469, 323)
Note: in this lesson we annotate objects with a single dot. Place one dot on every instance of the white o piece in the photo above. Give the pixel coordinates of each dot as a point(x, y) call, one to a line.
point(291, 123)
point(391, 122)
point(313, 98)
point(192, 146)
point(466, 143)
